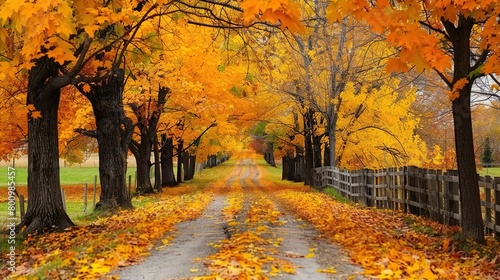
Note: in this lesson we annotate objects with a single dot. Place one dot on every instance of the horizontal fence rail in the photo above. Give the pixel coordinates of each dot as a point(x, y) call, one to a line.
point(430, 193)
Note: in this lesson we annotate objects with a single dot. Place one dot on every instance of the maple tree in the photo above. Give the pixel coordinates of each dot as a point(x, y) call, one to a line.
point(82, 44)
point(55, 53)
point(459, 42)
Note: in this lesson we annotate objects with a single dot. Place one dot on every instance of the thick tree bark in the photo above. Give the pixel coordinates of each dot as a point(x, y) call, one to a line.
point(284, 167)
point(156, 151)
point(142, 154)
point(114, 132)
point(148, 115)
point(270, 154)
point(167, 162)
point(326, 156)
point(192, 166)
point(317, 150)
point(472, 222)
point(332, 139)
point(185, 165)
point(308, 147)
point(180, 148)
point(45, 206)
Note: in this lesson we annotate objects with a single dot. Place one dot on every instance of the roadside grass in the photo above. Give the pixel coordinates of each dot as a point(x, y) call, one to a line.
point(336, 195)
point(490, 171)
point(75, 207)
point(68, 175)
point(202, 179)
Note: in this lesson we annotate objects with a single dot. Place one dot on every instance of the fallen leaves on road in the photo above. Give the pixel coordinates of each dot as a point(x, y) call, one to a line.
point(251, 251)
point(389, 245)
point(88, 252)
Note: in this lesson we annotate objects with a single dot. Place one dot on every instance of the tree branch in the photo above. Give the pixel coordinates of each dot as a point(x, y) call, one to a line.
point(86, 132)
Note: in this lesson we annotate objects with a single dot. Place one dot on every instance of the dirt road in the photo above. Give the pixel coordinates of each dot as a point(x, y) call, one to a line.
point(244, 231)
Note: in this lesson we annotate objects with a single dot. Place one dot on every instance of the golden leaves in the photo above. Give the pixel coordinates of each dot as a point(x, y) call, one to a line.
point(457, 87)
point(284, 12)
point(385, 243)
point(88, 252)
point(252, 252)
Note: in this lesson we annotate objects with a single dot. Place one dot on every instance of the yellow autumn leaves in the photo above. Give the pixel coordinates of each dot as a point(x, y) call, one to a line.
point(89, 252)
point(387, 245)
point(384, 244)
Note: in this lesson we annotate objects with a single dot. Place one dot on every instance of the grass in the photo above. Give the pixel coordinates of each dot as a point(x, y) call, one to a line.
point(274, 172)
point(75, 208)
point(491, 171)
point(335, 194)
point(68, 175)
point(76, 175)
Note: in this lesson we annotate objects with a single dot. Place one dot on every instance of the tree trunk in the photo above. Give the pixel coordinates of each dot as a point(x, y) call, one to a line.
point(332, 140)
point(180, 147)
point(114, 132)
point(167, 162)
point(156, 151)
point(472, 222)
point(308, 148)
point(326, 156)
point(45, 206)
point(148, 115)
point(185, 165)
point(284, 171)
point(192, 166)
point(317, 151)
point(143, 163)
point(270, 154)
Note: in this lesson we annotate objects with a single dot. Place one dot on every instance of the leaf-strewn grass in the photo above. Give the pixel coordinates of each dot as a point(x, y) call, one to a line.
point(101, 243)
point(388, 245)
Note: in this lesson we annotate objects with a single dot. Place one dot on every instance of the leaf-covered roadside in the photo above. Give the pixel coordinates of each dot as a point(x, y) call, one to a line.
point(388, 245)
point(91, 251)
point(393, 245)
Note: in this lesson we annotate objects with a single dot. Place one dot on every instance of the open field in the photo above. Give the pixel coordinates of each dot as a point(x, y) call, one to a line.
point(68, 175)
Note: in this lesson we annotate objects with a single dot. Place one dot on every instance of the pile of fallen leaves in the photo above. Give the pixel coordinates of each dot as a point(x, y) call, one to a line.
point(391, 245)
point(388, 244)
point(91, 251)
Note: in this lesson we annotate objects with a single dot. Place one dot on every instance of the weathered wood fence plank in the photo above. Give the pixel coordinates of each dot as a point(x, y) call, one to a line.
point(430, 193)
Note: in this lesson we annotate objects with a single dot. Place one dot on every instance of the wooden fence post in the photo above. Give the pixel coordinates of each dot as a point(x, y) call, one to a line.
point(432, 185)
point(496, 184)
point(85, 191)
point(95, 190)
point(486, 183)
point(404, 191)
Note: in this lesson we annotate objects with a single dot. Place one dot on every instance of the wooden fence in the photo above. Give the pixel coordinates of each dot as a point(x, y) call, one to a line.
point(430, 193)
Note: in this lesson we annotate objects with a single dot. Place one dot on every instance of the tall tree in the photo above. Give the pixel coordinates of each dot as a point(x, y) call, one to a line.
point(113, 133)
point(45, 208)
point(148, 115)
point(457, 40)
